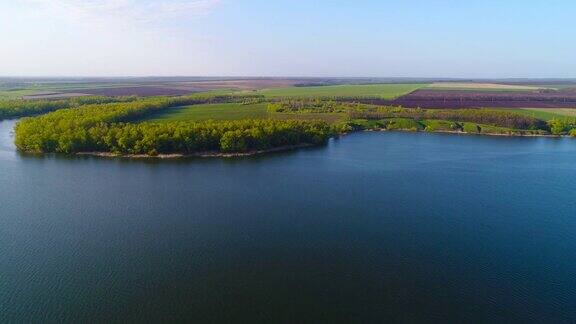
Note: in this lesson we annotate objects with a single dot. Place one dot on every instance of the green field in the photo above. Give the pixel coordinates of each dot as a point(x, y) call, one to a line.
point(228, 111)
point(384, 91)
point(234, 111)
point(544, 113)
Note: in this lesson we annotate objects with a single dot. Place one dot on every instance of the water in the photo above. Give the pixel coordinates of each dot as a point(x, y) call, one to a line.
point(375, 227)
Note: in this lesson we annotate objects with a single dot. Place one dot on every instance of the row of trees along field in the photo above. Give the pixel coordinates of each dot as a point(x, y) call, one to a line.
point(481, 116)
point(104, 128)
point(22, 108)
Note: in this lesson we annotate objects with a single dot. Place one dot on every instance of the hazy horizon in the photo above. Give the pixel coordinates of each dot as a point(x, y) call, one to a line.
point(255, 38)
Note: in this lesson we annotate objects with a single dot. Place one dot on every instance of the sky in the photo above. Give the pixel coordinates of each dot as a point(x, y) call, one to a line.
point(338, 38)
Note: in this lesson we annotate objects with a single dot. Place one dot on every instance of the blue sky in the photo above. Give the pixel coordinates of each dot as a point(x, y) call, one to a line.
point(433, 38)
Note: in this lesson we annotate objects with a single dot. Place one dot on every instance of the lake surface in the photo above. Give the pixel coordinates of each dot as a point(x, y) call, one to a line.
point(374, 227)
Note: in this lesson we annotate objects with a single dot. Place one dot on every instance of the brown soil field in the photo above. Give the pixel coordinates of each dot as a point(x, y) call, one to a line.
point(480, 99)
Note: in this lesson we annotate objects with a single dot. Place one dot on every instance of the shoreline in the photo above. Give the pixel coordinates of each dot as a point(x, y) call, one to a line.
point(195, 155)
point(466, 133)
point(292, 147)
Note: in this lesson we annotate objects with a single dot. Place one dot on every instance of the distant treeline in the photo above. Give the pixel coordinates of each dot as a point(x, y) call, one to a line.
point(104, 128)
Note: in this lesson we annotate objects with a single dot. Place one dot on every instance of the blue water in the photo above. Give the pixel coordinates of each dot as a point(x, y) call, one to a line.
point(374, 227)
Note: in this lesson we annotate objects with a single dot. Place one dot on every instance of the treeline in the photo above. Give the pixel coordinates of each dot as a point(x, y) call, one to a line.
point(481, 116)
point(434, 125)
point(22, 108)
point(175, 137)
point(104, 128)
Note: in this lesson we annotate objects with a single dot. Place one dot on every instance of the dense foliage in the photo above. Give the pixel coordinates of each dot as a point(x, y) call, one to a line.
point(103, 128)
point(22, 108)
point(563, 126)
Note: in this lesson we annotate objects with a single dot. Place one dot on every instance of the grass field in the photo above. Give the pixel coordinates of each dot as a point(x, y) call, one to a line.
point(228, 111)
point(564, 112)
point(234, 111)
point(480, 86)
point(384, 91)
point(544, 113)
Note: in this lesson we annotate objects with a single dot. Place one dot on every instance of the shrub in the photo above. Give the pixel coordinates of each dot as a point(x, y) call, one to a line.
point(403, 124)
point(440, 125)
point(561, 126)
point(471, 128)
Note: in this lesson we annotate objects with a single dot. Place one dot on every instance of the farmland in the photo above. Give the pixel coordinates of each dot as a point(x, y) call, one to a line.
point(423, 93)
point(227, 111)
point(144, 87)
point(383, 91)
point(456, 99)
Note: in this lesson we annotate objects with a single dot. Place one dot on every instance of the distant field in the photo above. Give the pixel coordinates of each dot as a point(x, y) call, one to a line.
point(383, 91)
point(480, 86)
point(233, 111)
point(567, 112)
point(15, 94)
point(544, 113)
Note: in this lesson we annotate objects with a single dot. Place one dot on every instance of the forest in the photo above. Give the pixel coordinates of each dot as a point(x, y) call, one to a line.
point(107, 128)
